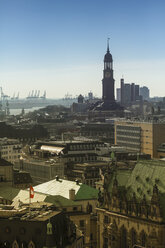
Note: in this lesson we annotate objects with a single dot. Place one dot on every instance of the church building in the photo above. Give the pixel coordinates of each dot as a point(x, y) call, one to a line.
point(108, 104)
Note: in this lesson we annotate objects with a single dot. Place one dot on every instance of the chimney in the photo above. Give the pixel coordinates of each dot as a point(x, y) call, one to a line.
point(72, 194)
point(57, 178)
point(77, 182)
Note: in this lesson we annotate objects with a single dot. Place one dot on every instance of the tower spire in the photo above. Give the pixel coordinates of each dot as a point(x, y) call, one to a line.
point(108, 45)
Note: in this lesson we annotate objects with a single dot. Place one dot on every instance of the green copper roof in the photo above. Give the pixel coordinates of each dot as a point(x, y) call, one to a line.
point(144, 176)
point(60, 201)
point(86, 193)
point(141, 180)
point(122, 176)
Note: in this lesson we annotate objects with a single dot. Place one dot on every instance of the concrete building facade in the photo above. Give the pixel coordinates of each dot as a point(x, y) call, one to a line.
point(141, 137)
point(10, 149)
point(145, 92)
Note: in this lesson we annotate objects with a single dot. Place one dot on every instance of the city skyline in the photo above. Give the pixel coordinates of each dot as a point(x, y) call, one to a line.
point(59, 46)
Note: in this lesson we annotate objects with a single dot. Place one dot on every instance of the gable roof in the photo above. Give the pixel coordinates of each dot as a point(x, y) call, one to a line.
point(86, 192)
point(60, 201)
point(61, 187)
point(57, 200)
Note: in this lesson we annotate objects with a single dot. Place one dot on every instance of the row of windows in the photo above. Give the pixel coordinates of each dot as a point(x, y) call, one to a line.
point(10, 157)
point(128, 145)
point(85, 147)
point(126, 133)
point(10, 147)
point(92, 174)
point(124, 137)
point(74, 209)
point(91, 133)
point(127, 139)
point(6, 152)
point(129, 132)
point(16, 245)
point(124, 239)
point(83, 159)
point(128, 128)
point(91, 182)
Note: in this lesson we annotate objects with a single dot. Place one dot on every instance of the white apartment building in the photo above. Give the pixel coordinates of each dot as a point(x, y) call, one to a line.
point(10, 149)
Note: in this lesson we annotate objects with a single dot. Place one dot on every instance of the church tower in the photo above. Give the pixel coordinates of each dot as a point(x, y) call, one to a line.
point(108, 80)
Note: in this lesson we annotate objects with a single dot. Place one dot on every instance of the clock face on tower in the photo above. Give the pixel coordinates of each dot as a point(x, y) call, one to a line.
point(107, 74)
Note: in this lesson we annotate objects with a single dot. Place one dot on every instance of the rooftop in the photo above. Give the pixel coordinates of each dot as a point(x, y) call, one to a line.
point(64, 143)
point(141, 180)
point(7, 141)
point(4, 162)
point(61, 187)
point(39, 212)
point(41, 198)
point(133, 121)
point(7, 191)
point(91, 164)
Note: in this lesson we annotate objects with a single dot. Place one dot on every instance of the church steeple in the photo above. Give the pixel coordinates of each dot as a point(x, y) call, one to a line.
point(108, 81)
point(108, 61)
point(108, 45)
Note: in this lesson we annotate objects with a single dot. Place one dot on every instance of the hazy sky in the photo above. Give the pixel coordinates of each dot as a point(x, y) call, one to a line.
point(59, 45)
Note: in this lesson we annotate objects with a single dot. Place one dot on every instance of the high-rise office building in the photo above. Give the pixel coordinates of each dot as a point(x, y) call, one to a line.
point(144, 92)
point(118, 94)
point(142, 137)
point(128, 92)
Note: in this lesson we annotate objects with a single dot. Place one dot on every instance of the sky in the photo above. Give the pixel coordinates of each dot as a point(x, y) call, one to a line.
point(59, 45)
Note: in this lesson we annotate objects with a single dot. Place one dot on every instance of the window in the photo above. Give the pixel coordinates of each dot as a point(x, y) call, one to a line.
point(133, 237)
point(143, 239)
point(106, 219)
point(91, 236)
point(105, 245)
point(123, 238)
point(82, 223)
point(15, 244)
point(31, 244)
